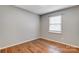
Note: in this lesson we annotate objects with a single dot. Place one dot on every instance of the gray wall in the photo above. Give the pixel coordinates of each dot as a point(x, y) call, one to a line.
point(17, 25)
point(70, 34)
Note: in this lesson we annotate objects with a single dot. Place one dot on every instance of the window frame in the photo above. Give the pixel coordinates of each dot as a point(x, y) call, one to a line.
point(56, 32)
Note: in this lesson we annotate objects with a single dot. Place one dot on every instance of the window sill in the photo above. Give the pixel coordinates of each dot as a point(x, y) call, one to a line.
point(55, 32)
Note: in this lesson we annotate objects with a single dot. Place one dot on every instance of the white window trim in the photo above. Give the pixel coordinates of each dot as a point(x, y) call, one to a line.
point(56, 32)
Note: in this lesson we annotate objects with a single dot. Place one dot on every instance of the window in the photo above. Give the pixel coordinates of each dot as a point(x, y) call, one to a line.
point(55, 24)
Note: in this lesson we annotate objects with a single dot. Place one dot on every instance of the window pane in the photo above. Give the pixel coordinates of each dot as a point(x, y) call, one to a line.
point(55, 28)
point(55, 19)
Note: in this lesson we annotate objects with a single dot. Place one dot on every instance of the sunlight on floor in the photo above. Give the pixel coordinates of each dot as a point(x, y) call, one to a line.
point(53, 49)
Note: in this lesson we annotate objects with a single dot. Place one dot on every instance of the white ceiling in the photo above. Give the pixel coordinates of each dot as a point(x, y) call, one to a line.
point(43, 9)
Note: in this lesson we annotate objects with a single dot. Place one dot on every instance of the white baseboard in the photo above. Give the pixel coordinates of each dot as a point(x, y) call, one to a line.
point(18, 43)
point(60, 42)
point(38, 38)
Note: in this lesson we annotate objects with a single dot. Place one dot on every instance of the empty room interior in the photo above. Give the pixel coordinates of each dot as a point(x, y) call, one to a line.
point(39, 29)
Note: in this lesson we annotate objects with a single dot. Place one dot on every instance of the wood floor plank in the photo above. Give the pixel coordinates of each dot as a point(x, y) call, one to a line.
point(41, 46)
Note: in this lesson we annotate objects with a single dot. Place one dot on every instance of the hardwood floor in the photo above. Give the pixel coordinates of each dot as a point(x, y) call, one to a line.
point(40, 46)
